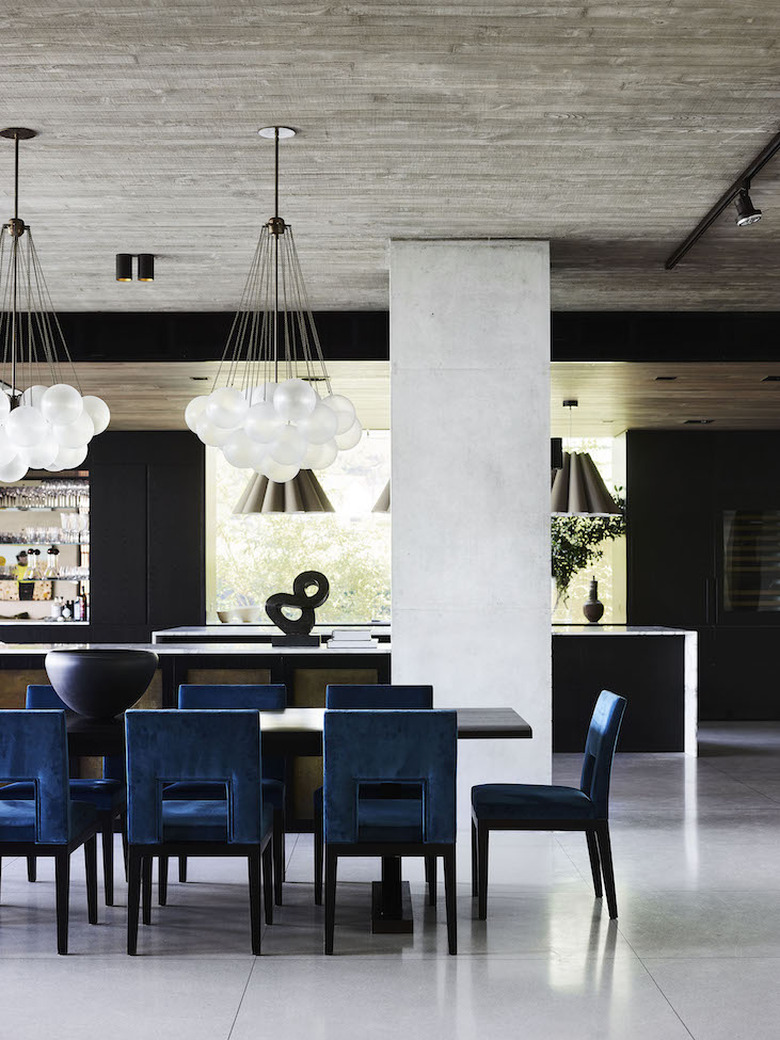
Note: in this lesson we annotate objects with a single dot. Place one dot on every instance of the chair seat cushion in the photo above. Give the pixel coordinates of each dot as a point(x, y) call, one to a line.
point(17, 819)
point(530, 802)
point(201, 820)
point(105, 795)
point(205, 790)
point(389, 819)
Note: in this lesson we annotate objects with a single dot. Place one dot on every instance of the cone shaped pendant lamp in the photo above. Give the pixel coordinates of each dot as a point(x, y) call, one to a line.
point(302, 494)
point(578, 488)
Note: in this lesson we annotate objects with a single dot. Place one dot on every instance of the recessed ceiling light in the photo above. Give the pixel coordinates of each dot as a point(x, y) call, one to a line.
point(697, 422)
point(665, 379)
point(269, 132)
point(198, 378)
point(771, 379)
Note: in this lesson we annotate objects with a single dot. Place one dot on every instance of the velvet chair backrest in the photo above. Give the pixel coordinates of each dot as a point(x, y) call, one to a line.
point(258, 696)
point(33, 746)
point(378, 696)
point(40, 695)
point(600, 750)
point(164, 746)
point(389, 746)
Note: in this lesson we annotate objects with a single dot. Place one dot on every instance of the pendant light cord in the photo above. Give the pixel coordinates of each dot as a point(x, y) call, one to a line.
point(276, 254)
point(15, 262)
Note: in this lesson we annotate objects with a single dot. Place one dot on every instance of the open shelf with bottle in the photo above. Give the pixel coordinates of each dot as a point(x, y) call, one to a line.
point(44, 549)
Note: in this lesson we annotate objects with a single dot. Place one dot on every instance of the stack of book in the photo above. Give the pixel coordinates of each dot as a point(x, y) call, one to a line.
point(352, 639)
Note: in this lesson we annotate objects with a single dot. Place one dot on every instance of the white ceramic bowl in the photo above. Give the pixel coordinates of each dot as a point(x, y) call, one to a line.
point(240, 615)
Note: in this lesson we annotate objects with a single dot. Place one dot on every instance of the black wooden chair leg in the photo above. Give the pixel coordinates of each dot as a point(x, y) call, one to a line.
point(133, 900)
point(595, 865)
point(62, 887)
point(162, 880)
point(450, 893)
point(146, 889)
point(90, 870)
point(124, 842)
point(474, 865)
point(318, 863)
point(278, 855)
point(483, 836)
point(331, 862)
point(269, 871)
point(430, 877)
point(182, 869)
point(107, 838)
point(32, 868)
point(254, 900)
point(605, 852)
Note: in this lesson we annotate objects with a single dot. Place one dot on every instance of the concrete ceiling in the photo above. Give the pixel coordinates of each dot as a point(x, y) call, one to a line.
point(609, 129)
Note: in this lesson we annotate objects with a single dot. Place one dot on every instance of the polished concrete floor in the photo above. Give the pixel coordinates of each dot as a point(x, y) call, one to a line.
point(695, 953)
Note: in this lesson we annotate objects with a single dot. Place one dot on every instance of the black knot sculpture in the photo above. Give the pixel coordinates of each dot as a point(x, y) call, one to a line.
point(298, 630)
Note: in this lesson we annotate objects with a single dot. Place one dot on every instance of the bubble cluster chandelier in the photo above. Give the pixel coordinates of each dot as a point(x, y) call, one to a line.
point(49, 424)
point(263, 412)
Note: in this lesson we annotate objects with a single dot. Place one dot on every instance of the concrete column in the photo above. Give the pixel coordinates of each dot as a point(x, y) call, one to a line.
point(470, 359)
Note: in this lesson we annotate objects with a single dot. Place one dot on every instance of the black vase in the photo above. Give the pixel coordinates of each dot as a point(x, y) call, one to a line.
point(100, 683)
point(593, 608)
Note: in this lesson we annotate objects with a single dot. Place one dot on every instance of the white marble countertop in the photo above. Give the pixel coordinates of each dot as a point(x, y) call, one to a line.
point(211, 649)
point(618, 630)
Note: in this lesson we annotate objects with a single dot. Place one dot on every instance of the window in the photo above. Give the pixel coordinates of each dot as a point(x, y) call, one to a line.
point(252, 556)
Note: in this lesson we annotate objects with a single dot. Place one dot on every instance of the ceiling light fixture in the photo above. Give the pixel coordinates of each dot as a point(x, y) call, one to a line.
point(45, 426)
point(742, 183)
point(302, 494)
point(746, 212)
point(259, 413)
point(124, 267)
point(578, 487)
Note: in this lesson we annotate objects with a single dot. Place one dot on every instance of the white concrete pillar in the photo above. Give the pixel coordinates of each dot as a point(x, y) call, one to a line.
point(470, 363)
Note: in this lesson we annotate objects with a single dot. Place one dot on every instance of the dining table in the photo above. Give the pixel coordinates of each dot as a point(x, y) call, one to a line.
point(298, 731)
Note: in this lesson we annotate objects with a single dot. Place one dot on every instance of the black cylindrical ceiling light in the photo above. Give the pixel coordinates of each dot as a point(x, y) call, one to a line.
point(746, 212)
point(124, 267)
point(146, 267)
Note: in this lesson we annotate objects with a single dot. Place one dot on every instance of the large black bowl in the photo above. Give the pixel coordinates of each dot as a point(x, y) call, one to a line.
point(100, 683)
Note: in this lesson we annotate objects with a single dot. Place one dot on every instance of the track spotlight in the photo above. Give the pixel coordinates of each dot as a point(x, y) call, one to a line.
point(746, 211)
point(124, 267)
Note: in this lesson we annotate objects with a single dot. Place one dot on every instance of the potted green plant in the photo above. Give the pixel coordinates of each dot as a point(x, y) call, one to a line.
point(577, 541)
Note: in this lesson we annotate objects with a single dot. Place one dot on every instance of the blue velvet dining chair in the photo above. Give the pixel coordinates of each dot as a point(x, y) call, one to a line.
point(33, 750)
point(536, 807)
point(168, 746)
point(107, 794)
point(368, 696)
point(363, 749)
point(257, 697)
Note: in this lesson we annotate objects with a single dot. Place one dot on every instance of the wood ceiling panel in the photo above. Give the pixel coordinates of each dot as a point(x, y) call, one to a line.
point(607, 129)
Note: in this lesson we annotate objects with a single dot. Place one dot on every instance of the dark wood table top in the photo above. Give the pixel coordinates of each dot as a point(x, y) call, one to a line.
point(293, 730)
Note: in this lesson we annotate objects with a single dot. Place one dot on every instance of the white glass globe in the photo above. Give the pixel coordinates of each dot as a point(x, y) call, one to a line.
point(289, 446)
point(344, 409)
point(294, 399)
point(262, 424)
point(194, 411)
point(13, 470)
point(75, 434)
point(214, 436)
point(321, 425)
point(26, 426)
point(227, 408)
point(68, 458)
point(42, 454)
point(320, 456)
point(277, 472)
point(239, 450)
point(8, 450)
point(5, 405)
point(98, 411)
point(61, 404)
point(262, 392)
point(345, 441)
point(33, 394)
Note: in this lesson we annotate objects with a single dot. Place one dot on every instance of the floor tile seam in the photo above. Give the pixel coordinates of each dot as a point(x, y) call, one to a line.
point(724, 772)
point(657, 985)
point(243, 995)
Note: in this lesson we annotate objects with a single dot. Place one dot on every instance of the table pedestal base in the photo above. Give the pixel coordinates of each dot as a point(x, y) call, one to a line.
point(382, 923)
